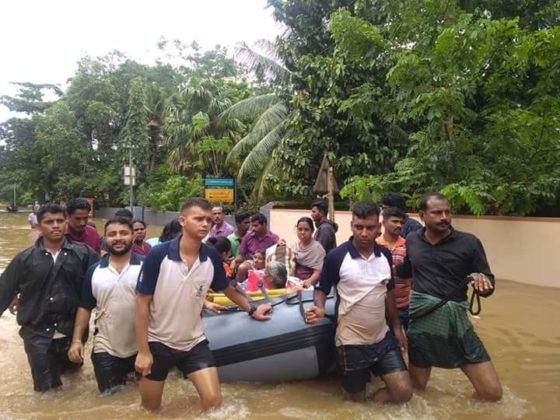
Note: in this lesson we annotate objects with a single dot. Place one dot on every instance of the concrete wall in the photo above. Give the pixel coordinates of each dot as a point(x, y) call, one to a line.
point(522, 249)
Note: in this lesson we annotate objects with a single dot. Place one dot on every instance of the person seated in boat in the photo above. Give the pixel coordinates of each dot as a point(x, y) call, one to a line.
point(309, 254)
point(257, 239)
point(256, 273)
point(223, 246)
point(283, 253)
point(275, 275)
point(170, 231)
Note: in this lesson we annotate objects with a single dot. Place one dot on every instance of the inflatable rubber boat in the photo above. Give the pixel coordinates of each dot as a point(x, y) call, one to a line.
point(283, 348)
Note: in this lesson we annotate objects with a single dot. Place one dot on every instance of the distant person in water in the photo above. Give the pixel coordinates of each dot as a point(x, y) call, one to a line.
point(441, 260)
point(78, 229)
point(139, 245)
point(110, 288)
point(171, 293)
point(32, 217)
point(48, 277)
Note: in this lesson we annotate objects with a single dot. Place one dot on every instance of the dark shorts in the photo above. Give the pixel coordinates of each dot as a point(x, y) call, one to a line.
point(198, 358)
point(357, 361)
point(111, 372)
point(48, 362)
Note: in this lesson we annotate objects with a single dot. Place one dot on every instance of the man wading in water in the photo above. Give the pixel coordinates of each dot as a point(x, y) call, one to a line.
point(440, 258)
point(360, 270)
point(48, 277)
point(110, 288)
point(168, 323)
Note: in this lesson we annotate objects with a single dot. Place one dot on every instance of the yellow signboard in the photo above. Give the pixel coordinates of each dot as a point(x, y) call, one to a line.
point(219, 195)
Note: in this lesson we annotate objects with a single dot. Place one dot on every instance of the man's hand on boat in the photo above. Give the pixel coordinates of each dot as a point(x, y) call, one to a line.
point(262, 312)
point(314, 314)
point(214, 307)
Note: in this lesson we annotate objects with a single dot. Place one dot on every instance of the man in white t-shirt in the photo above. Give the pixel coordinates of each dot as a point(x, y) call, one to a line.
point(110, 288)
point(360, 271)
point(168, 321)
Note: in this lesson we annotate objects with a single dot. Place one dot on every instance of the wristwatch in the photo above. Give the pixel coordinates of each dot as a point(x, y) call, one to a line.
point(252, 310)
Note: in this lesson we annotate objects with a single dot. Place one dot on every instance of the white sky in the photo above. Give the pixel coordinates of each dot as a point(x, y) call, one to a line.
point(41, 40)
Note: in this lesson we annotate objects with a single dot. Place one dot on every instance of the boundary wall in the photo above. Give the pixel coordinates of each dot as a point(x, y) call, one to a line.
point(521, 249)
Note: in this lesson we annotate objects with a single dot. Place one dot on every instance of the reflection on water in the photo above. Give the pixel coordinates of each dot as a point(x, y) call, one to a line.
point(518, 325)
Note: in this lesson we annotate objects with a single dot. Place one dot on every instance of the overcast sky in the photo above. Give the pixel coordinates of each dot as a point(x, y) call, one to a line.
point(41, 40)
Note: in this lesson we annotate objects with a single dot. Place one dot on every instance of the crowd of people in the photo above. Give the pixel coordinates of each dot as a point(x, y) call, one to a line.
point(400, 290)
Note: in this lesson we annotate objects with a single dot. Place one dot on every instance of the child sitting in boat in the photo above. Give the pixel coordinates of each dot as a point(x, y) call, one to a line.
point(256, 273)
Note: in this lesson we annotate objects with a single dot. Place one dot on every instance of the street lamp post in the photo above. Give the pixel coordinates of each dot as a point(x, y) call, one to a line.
point(129, 172)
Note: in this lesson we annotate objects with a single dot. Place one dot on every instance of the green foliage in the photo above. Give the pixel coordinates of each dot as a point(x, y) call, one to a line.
point(165, 191)
point(480, 102)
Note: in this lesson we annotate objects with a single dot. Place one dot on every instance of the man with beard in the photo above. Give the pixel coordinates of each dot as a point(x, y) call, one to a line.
point(48, 277)
point(219, 226)
point(110, 288)
point(441, 260)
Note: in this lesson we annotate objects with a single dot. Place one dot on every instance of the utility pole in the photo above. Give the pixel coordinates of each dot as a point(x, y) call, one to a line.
point(132, 176)
point(129, 177)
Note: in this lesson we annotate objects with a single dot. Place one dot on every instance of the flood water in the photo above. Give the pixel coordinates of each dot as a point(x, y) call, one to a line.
point(519, 326)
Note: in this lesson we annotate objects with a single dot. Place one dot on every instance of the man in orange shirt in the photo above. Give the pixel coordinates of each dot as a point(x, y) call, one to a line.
point(393, 219)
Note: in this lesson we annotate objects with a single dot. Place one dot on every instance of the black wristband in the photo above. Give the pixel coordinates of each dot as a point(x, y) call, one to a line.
point(252, 310)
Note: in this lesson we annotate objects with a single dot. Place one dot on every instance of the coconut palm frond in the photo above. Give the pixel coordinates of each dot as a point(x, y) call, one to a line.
point(251, 107)
point(256, 59)
point(261, 154)
point(266, 122)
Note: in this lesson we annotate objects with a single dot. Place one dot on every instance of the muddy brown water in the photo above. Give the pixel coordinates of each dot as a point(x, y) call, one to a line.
point(519, 326)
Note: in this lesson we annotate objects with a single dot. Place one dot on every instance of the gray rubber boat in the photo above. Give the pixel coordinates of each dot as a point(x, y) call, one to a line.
point(283, 348)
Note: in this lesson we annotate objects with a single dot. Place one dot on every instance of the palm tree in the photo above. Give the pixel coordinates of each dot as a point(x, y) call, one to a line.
point(194, 132)
point(268, 114)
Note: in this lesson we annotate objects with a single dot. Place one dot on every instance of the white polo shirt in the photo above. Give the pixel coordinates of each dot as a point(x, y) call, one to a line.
point(361, 287)
point(113, 296)
point(179, 293)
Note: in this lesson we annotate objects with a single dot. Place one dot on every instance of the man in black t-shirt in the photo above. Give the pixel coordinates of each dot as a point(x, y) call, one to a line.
point(440, 259)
